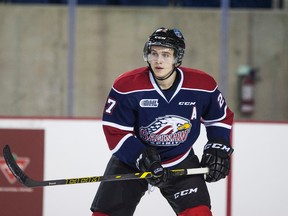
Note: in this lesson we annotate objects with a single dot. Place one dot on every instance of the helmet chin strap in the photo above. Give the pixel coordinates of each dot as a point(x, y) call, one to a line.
point(164, 77)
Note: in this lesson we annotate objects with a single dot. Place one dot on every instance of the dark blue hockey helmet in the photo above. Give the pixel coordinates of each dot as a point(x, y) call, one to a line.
point(171, 38)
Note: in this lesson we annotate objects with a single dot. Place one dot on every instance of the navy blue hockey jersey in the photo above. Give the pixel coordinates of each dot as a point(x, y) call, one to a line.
point(139, 114)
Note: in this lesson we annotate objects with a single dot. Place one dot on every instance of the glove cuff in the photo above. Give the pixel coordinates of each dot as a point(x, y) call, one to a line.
point(222, 150)
point(147, 159)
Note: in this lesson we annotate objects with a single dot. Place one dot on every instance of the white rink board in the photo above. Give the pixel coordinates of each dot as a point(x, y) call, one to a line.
point(77, 148)
point(260, 169)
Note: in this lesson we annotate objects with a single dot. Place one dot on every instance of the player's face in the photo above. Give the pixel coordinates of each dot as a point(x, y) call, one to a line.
point(162, 60)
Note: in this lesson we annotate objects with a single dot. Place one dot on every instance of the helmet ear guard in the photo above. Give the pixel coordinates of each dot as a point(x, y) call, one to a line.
point(171, 38)
point(146, 51)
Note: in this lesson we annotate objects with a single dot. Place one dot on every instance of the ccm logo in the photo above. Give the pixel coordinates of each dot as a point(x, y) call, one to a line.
point(185, 192)
point(183, 103)
point(217, 146)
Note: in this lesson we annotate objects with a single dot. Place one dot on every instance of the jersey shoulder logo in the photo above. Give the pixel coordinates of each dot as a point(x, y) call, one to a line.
point(169, 130)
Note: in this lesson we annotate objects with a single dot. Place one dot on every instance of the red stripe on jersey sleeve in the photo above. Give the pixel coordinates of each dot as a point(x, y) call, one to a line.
point(113, 135)
point(229, 117)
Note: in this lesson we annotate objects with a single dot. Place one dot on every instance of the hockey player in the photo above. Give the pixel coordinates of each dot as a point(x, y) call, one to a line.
point(152, 119)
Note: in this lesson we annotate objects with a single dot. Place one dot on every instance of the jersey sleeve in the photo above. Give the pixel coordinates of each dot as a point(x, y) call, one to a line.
point(217, 118)
point(119, 118)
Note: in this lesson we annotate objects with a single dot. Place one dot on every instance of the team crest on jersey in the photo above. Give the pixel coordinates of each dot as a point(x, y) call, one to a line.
point(169, 130)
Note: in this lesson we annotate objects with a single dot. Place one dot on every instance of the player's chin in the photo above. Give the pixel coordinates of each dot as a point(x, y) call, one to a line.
point(160, 77)
point(159, 73)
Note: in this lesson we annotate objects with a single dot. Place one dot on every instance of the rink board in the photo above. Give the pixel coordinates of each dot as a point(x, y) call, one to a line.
point(77, 148)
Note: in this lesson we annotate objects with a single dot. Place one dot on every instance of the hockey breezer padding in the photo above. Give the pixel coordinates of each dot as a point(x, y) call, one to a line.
point(28, 182)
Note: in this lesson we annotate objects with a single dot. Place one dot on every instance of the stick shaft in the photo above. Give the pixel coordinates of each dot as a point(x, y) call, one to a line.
point(28, 182)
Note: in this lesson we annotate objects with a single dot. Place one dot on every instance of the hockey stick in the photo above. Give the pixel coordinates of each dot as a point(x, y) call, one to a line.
point(28, 182)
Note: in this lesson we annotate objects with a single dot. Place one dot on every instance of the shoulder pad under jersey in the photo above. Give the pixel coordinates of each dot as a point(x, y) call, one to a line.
point(134, 80)
point(197, 79)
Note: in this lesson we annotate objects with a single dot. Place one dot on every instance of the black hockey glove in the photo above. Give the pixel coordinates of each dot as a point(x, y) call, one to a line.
point(216, 156)
point(150, 161)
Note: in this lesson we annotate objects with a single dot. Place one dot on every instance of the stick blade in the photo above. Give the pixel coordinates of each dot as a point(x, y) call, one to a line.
point(13, 166)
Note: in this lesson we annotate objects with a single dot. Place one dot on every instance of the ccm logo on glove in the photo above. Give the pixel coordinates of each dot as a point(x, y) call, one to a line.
point(217, 146)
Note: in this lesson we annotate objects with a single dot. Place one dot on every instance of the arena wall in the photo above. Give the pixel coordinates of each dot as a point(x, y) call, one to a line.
point(34, 78)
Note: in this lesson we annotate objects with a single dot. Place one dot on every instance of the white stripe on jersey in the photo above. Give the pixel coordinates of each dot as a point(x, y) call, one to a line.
point(129, 92)
point(120, 143)
point(218, 125)
point(121, 127)
point(173, 163)
point(204, 90)
point(216, 120)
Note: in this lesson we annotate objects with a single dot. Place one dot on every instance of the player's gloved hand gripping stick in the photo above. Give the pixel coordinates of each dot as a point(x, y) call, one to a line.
point(28, 182)
point(150, 161)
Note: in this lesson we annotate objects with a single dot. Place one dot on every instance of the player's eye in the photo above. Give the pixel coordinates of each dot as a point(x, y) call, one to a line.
point(154, 54)
point(166, 55)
